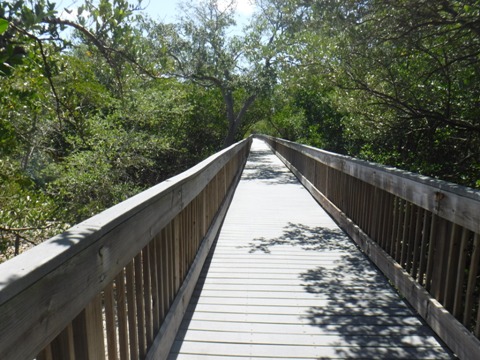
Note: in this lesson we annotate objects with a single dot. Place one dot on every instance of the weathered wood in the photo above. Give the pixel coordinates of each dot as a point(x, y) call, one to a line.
point(472, 281)
point(284, 279)
point(451, 269)
point(166, 335)
point(450, 201)
point(139, 299)
point(122, 315)
point(454, 333)
point(417, 244)
point(32, 312)
point(63, 346)
point(131, 312)
point(88, 332)
point(110, 322)
point(462, 260)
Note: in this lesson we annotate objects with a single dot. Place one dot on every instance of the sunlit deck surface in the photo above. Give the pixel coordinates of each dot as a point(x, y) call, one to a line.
point(283, 281)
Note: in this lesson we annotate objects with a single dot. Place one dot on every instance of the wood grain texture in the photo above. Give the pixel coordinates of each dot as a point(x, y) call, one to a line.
point(42, 290)
point(455, 203)
point(458, 338)
point(283, 281)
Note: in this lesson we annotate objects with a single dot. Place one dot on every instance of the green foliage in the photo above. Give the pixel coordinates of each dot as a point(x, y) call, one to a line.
point(396, 82)
point(27, 215)
point(127, 102)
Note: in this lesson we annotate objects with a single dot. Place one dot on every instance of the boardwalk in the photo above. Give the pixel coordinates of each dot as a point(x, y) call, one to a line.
point(285, 282)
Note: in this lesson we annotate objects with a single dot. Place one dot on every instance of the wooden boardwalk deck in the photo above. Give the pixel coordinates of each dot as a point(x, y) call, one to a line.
point(283, 281)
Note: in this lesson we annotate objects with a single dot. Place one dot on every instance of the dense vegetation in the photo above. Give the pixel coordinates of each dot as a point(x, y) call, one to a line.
point(102, 102)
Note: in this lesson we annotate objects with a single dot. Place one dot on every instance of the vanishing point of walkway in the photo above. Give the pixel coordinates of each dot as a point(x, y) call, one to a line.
point(283, 281)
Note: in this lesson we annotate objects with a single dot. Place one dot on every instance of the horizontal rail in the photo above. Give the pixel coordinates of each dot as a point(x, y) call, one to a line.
point(106, 287)
point(423, 233)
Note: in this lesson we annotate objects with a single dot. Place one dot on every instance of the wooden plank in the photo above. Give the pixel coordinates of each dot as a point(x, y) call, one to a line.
point(100, 246)
point(458, 304)
point(414, 271)
point(110, 322)
point(140, 285)
point(318, 330)
point(149, 286)
point(131, 312)
point(166, 335)
point(122, 315)
point(459, 339)
point(63, 346)
point(281, 267)
point(440, 320)
point(88, 332)
point(309, 340)
point(311, 352)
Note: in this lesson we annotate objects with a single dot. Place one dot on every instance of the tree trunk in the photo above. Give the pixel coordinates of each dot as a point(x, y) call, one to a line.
point(234, 122)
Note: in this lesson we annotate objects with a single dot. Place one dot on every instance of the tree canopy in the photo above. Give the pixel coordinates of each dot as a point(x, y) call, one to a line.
point(103, 101)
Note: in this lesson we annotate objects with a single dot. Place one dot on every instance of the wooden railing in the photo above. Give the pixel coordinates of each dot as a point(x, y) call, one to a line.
point(117, 285)
point(424, 234)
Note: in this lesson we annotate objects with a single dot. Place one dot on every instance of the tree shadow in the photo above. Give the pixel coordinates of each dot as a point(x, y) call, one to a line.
point(261, 166)
point(308, 238)
point(364, 316)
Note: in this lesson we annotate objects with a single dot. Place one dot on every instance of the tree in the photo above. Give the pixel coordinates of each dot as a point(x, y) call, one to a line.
point(403, 73)
point(202, 52)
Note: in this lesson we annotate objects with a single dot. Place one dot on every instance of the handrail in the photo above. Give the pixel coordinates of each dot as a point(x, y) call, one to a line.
point(117, 284)
point(424, 234)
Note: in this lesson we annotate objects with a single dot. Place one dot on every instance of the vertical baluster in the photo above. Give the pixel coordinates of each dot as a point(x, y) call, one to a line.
point(376, 214)
point(131, 311)
point(357, 199)
point(398, 231)
point(462, 263)
point(472, 281)
point(155, 284)
point(173, 255)
point(366, 207)
point(46, 354)
point(140, 306)
point(417, 243)
point(395, 222)
point(177, 251)
point(405, 233)
point(88, 331)
point(122, 315)
point(424, 248)
point(411, 237)
point(388, 221)
point(378, 220)
point(159, 244)
point(62, 347)
point(431, 252)
point(453, 257)
point(165, 272)
point(110, 322)
point(440, 266)
point(150, 292)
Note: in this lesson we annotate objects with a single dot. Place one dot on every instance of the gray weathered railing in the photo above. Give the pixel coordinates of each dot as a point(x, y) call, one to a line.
point(424, 234)
point(117, 285)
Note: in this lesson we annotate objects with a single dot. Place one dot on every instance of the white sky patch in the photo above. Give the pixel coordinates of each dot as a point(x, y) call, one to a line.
point(69, 14)
point(245, 7)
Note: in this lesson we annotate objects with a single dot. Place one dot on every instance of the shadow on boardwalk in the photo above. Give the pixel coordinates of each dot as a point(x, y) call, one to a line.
point(260, 167)
point(366, 317)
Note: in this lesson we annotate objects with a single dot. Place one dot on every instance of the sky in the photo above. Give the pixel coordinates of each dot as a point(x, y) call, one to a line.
point(169, 10)
point(163, 10)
